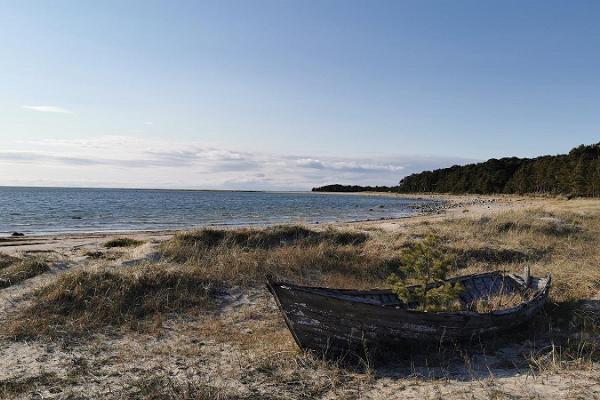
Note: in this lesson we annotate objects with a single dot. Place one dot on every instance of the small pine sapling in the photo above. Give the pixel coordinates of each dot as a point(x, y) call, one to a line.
point(427, 266)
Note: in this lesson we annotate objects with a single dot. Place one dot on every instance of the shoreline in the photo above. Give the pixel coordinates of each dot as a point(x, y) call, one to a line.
point(442, 204)
point(60, 242)
point(450, 206)
point(439, 203)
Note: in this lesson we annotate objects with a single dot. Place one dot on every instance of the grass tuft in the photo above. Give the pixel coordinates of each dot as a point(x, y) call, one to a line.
point(83, 301)
point(6, 260)
point(22, 270)
point(247, 256)
point(123, 242)
point(265, 238)
point(166, 388)
point(497, 301)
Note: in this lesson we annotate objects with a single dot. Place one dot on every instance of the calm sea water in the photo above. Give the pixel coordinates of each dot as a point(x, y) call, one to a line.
point(56, 210)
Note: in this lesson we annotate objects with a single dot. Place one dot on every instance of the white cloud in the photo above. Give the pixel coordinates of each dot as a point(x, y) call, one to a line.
point(48, 109)
point(341, 165)
point(122, 161)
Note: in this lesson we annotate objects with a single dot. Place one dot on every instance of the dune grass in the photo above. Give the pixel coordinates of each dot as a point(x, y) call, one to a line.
point(123, 242)
point(248, 256)
point(252, 238)
point(197, 264)
point(557, 242)
point(197, 267)
point(83, 301)
point(19, 270)
point(200, 264)
point(6, 260)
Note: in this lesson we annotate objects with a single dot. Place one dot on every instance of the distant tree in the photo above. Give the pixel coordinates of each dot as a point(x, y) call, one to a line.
point(575, 172)
point(579, 177)
point(351, 188)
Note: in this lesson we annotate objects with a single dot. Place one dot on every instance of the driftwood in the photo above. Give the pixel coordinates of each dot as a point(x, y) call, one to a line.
point(340, 321)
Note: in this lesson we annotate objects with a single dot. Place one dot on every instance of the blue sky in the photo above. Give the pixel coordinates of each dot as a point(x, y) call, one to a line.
point(288, 94)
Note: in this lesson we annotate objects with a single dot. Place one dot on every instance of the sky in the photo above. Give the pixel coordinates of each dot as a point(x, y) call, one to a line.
point(286, 95)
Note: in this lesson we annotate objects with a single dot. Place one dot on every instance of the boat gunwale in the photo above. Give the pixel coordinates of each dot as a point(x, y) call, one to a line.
point(345, 295)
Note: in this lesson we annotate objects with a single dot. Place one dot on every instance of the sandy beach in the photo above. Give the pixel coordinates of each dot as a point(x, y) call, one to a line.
point(298, 200)
point(241, 349)
point(476, 205)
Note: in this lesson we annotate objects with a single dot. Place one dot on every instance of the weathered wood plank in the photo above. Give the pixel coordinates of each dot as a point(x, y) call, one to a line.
point(320, 318)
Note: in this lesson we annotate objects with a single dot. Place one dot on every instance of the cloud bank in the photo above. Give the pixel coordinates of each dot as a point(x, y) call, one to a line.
point(118, 161)
point(48, 109)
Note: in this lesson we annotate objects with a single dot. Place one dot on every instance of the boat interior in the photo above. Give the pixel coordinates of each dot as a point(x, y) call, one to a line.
point(476, 287)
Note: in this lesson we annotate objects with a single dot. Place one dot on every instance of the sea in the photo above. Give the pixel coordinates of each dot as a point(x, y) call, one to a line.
point(35, 210)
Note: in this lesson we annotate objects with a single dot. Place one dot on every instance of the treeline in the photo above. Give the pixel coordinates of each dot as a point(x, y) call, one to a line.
point(352, 188)
point(576, 173)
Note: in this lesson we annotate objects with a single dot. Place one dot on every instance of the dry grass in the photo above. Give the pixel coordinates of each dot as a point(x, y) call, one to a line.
point(571, 355)
point(557, 240)
point(166, 388)
point(83, 301)
point(6, 260)
point(282, 377)
point(212, 258)
point(507, 241)
point(123, 242)
point(247, 256)
point(252, 238)
point(196, 265)
point(20, 270)
point(562, 243)
point(496, 301)
point(13, 388)
point(242, 350)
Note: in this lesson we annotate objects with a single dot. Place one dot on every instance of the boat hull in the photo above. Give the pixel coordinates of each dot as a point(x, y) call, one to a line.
point(334, 322)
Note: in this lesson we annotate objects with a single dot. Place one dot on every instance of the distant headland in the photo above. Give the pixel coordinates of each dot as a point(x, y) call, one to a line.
point(576, 173)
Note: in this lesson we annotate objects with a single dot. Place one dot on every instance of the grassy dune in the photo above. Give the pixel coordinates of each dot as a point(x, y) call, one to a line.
point(82, 301)
point(194, 263)
point(247, 256)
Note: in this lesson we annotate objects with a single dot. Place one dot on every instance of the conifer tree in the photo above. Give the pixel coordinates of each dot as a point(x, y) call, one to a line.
point(428, 266)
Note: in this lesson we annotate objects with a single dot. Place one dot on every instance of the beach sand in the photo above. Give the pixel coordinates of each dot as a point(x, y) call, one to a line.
point(245, 351)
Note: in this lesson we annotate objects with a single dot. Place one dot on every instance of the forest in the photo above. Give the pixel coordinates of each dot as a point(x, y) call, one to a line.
point(353, 188)
point(576, 173)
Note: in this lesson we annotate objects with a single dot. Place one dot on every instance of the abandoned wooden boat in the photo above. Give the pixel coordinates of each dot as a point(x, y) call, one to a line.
point(334, 321)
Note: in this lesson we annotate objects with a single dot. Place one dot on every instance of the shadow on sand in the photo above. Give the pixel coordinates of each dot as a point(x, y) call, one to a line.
point(566, 330)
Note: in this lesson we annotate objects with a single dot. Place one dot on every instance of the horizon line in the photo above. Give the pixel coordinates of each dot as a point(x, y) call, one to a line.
point(165, 189)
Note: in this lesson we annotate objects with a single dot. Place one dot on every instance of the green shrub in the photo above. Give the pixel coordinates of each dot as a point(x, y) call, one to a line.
point(427, 266)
